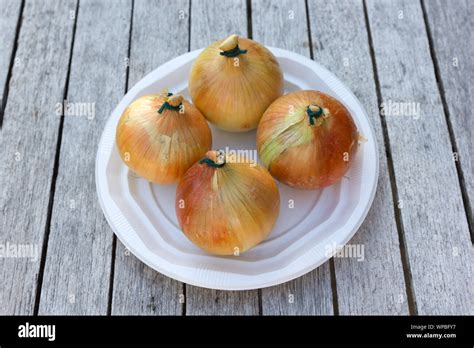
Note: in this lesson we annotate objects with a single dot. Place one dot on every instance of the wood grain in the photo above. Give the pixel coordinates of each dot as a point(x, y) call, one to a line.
point(374, 284)
point(283, 24)
point(202, 301)
point(28, 144)
point(210, 21)
point(77, 270)
point(214, 20)
point(451, 28)
point(9, 19)
point(306, 295)
point(432, 214)
point(156, 38)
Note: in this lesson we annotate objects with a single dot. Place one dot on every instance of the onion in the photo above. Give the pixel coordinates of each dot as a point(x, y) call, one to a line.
point(233, 81)
point(307, 139)
point(226, 207)
point(159, 136)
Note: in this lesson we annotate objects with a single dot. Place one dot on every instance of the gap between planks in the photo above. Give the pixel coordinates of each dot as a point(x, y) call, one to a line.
point(114, 237)
point(249, 19)
point(55, 175)
point(452, 138)
point(412, 308)
point(250, 36)
point(332, 268)
point(12, 60)
point(184, 307)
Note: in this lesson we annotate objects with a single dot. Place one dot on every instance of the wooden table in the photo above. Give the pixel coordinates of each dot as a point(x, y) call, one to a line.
point(417, 237)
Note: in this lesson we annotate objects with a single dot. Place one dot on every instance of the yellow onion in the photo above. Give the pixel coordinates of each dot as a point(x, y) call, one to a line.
point(159, 136)
point(233, 81)
point(307, 139)
point(225, 206)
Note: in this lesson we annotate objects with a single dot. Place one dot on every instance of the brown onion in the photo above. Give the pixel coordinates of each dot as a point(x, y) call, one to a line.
point(307, 139)
point(226, 207)
point(233, 81)
point(159, 136)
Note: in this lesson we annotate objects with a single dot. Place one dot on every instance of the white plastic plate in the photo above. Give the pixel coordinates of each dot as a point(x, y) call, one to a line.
point(310, 225)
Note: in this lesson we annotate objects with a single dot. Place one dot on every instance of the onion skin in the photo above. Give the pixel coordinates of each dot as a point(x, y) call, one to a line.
point(227, 210)
point(161, 147)
point(234, 98)
point(302, 155)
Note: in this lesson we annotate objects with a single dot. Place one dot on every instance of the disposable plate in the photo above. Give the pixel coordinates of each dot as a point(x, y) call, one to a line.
point(311, 225)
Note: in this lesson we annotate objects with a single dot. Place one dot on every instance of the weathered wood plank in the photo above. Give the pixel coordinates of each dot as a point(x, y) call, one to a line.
point(374, 284)
point(160, 32)
point(435, 228)
point(9, 19)
point(202, 301)
point(78, 260)
point(283, 24)
point(28, 144)
point(306, 295)
point(210, 21)
point(213, 20)
point(451, 28)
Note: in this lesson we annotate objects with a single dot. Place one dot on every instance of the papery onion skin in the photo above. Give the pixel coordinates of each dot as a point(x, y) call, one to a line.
point(227, 210)
point(302, 155)
point(232, 97)
point(161, 147)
